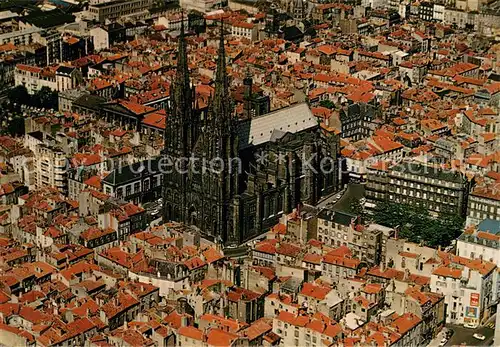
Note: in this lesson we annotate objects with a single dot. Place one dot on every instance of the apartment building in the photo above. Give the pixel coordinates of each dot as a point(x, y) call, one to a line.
point(203, 6)
point(306, 330)
point(101, 11)
point(34, 78)
point(50, 163)
point(338, 264)
point(52, 41)
point(336, 228)
point(19, 37)
point(59, 78)
point(411, 183)
point(467, 285)
point(50, 167)
point(484, 203)
point(481, 242)
point(139, 182)
point(246, 30)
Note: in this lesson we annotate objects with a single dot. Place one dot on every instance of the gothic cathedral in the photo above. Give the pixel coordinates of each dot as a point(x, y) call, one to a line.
point(233, 178)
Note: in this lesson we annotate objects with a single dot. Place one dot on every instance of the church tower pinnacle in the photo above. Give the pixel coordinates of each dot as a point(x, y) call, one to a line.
point(178, 132)
point(181, 103)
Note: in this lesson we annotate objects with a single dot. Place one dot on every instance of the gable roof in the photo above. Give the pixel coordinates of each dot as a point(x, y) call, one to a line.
point(292, 119)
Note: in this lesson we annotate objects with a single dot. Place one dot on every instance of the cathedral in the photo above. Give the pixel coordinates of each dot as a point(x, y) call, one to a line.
point(235, 177)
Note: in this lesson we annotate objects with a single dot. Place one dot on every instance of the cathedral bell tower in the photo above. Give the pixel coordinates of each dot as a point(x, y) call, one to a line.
point(223, 147)
point(178, 136)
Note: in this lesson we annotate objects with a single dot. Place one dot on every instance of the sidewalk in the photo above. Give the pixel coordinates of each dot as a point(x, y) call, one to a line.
point(435, 342)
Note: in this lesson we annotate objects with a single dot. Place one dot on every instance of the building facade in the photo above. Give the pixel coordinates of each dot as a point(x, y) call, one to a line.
point(417, 184)
point(101, 11)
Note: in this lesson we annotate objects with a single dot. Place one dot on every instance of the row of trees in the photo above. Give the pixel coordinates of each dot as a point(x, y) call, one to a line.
point(417, 225)
point(11, 114)
point(44, 98)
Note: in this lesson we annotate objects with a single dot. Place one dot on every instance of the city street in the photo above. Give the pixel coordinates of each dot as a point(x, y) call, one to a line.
point(464, 335)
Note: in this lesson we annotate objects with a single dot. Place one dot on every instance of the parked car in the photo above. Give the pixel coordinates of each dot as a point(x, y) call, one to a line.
point(443, 342)
point(479, 336)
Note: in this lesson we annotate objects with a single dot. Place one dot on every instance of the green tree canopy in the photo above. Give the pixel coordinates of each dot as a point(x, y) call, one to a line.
point(417, 225)
point(327, 103)
point(19, 95)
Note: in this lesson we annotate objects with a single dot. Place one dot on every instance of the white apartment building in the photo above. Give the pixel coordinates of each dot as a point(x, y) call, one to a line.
point(19, 37)
point(482, 242)
point(438, 12)
point(50, 163)
point(246, 30)
point(203, 6)
point(34, 78)
point(50, 167)
point(467, 286)
point(114, 9)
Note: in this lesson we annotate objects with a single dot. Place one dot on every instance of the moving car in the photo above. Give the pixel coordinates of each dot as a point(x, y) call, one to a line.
point(479, 336)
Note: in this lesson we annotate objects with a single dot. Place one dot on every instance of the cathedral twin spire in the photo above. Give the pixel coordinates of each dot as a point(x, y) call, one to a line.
point(177, 134)
point(220, 106)
point(218, 121)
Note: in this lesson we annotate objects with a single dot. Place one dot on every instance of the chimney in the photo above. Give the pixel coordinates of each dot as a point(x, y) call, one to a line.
point(184, 321)
point(382, 266)
point(125, 325)
point(406, 275)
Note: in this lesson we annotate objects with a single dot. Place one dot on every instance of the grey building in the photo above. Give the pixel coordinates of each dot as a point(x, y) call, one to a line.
point(437, 189)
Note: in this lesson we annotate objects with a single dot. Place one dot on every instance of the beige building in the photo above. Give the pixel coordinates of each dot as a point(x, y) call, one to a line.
point(366, 242)
point(305, 330)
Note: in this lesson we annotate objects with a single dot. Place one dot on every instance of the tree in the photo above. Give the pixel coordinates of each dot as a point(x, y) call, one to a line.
point(327, 103)
point(16, 126)
point(19, 95)
point(262, 5)
point(416, 225)
point(356, 208)
point(45, 98)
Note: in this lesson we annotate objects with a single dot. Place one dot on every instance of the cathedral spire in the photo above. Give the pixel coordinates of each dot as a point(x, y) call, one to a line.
point(182, 75)
point(221, 106)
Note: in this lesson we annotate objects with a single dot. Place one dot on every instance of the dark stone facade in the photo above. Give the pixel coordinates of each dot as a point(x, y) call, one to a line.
point(243, 174)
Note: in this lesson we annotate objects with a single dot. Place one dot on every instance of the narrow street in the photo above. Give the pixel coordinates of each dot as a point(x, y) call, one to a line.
point(354, 191)
point(464, 335)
